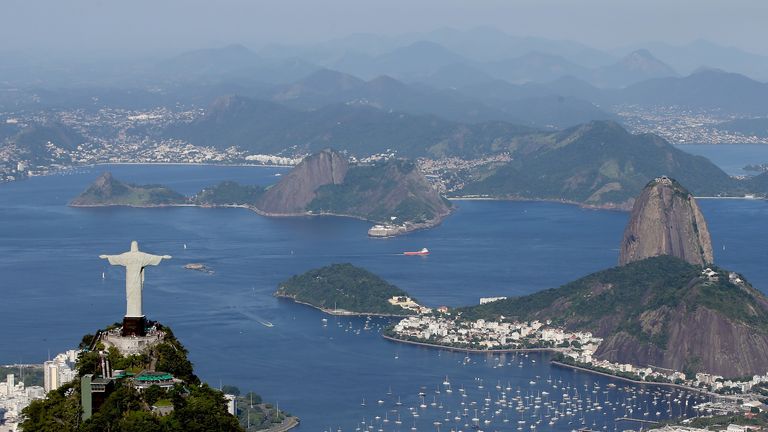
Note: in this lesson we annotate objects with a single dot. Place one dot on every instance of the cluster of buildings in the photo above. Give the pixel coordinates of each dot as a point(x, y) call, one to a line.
point(491, 335)
point(729, 428)
point(262, 159)
point(680, 125)
point(15, 395)
point(112, 135)
point(452, 174)
point(408, 303)
point(60, 370)
point(704, 381)
point(576, 348)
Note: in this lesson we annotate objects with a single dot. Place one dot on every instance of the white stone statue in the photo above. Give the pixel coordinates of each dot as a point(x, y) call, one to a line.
point(134, 262)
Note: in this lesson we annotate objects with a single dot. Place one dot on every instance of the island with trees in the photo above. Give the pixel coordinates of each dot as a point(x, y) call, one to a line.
point(343, 289)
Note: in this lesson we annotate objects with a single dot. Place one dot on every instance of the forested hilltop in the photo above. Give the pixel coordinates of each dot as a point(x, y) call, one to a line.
point(601, 164)
point(188, 405)
point(661, 311)
point(344, 288)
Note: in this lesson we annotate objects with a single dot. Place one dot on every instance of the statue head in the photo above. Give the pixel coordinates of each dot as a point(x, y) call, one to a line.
point(134, 246)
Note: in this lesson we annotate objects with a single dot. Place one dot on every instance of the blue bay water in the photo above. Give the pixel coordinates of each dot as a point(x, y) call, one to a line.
point(53, 291)
point(731, 158)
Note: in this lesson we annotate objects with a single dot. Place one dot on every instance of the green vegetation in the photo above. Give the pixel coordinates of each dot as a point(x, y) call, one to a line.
point(344, 287)
point(190, 406)
point(106, 190)
point(168, 356)
point(33, 143)
point(600, 163)
point(252, 413)
point(373, 192)
point(637, 298)
point(561, 358)
point(270, 128)
point(229, 193)
point(380, 191)
point(721, 422)
point(31, 375)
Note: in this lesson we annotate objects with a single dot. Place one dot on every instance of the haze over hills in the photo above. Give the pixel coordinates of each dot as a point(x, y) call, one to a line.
point(598, 164)
point(267, 127)
point(704, 89)
point(326, 87)
point(40, 143)
point(636, 66)
point(700, 53)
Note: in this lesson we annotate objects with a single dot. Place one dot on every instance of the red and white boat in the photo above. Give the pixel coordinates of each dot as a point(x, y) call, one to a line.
point(424, 251)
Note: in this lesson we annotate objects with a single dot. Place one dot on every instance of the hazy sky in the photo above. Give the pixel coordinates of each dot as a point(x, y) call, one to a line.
point(135, 26)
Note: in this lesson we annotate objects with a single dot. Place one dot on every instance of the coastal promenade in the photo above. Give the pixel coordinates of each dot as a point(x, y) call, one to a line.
point(286, 425)
point(560, 364)
point(653, 383)
point(472, 350)
point(339, 312)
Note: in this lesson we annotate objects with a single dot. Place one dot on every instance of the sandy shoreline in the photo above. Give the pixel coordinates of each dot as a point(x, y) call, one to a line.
point(338, 312)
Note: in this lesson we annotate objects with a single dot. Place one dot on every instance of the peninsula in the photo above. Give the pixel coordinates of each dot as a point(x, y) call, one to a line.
point(667, 307)
point(108, 191)
point(343, 289)
point(392, 192)
point(599, 165)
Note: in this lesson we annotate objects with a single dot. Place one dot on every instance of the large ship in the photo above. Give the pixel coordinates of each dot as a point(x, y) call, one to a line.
point(423, 251)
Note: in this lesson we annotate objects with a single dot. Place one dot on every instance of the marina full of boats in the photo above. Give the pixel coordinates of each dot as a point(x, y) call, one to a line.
point(544, 404)
point(512, 392)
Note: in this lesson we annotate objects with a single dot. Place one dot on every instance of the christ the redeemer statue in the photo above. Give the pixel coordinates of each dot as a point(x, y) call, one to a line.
point(134, 262)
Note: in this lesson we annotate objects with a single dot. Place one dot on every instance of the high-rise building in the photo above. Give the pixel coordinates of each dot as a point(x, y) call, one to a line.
point(51, 376)
point(11, 384)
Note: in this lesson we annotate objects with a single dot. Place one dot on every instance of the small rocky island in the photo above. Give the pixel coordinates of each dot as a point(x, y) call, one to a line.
point(199, 267)
point(323, 184)
point(343, 289)
point(108, 191)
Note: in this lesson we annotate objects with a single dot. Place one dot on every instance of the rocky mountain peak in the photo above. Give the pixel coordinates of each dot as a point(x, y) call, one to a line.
point(643, 61)
point(666, 220)
point(298, 188)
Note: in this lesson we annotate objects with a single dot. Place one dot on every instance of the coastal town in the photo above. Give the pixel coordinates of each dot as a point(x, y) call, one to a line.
point(680, 125)
point(109, 136)
point(443, 328)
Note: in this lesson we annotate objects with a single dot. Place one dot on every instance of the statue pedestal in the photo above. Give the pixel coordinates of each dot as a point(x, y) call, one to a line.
point(134, 326)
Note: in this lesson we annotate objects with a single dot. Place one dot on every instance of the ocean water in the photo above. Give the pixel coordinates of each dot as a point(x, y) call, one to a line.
point(237, 333)
point(731, 158)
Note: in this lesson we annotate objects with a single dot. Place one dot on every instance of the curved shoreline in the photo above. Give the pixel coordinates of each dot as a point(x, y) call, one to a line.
point(554, 362)
point(338, 312)
point(581, 368)
point(470, 350)
point(407, 230)
point(286, 425)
